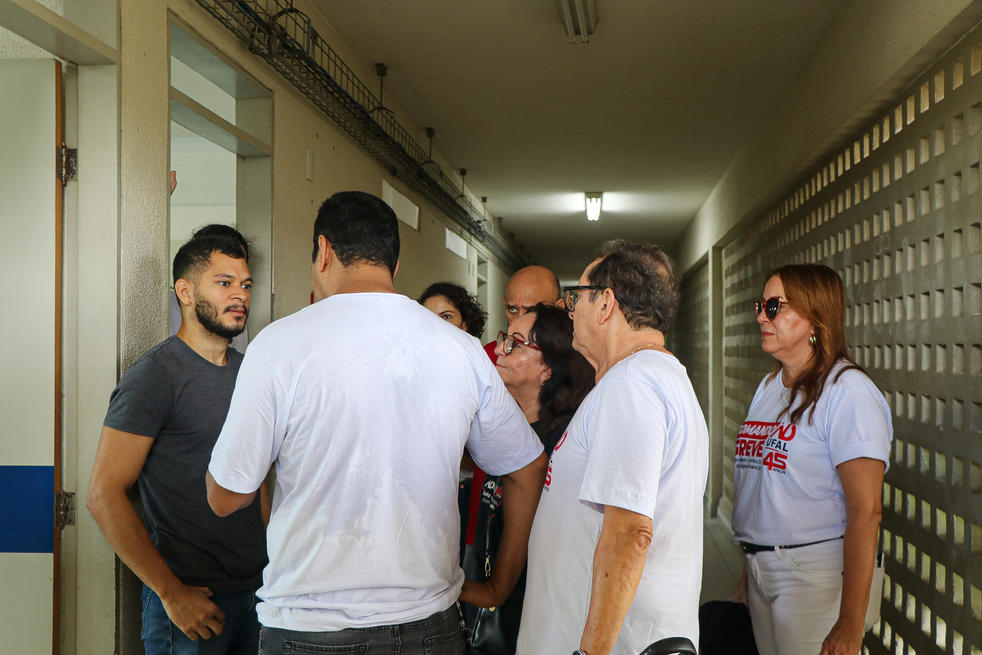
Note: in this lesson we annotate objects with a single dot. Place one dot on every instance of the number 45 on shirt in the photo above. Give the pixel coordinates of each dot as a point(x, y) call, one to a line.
point(773, 460)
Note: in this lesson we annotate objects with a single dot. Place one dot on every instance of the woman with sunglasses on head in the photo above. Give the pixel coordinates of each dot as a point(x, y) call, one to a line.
point(809, 466)
point(548, 379)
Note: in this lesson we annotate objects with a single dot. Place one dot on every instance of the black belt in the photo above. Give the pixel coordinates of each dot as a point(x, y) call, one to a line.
point(750, 548)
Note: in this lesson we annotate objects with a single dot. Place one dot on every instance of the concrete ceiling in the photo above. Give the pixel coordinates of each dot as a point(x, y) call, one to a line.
point(651, 111)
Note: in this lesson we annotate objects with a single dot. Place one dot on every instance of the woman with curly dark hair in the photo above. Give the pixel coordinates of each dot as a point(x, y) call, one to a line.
point(452, 303)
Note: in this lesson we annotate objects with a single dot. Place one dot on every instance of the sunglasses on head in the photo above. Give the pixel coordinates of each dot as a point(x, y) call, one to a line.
point(770, 306)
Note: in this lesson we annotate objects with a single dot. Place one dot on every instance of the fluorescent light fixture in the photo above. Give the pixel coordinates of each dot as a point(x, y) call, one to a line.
point(579, 18)
point(594, 201)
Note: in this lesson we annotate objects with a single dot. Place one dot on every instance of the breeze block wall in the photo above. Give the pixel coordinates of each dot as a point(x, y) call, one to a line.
point(689, 337)
point(897, 212)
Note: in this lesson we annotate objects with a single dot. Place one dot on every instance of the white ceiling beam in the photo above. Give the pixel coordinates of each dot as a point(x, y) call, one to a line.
point(202, 121)
point(44, 28)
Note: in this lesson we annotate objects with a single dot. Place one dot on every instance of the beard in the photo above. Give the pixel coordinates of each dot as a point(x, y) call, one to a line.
point(207, 315)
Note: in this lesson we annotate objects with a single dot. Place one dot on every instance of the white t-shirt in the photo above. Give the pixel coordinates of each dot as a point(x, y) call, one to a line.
point(365, 403)
point(638, 442)
point(786, 487)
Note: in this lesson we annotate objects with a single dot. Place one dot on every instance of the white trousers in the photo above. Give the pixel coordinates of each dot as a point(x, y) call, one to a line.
point(794, 597)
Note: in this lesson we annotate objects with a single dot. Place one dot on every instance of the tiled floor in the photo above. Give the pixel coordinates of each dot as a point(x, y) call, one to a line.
point(722, 561)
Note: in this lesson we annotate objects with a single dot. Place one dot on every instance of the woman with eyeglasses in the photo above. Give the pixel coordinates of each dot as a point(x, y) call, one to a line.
point(544, 374)
point(809, 466)
point(548, 379)
point(452, 303)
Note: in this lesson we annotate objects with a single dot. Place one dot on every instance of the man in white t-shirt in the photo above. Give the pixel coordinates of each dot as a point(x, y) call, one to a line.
point(367, 435)
point(615, 557)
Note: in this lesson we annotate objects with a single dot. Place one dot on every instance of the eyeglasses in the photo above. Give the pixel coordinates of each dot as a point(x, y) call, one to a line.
point(570, 295)
point(508, 342)
point(770, 307)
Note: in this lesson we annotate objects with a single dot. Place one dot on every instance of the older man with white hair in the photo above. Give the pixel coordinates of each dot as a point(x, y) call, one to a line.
point(615, 556)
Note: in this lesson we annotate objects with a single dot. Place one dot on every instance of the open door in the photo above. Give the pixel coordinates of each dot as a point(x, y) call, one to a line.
point(30, 353)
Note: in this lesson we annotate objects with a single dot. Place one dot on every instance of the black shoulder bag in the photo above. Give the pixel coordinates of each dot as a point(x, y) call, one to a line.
point(492, 631)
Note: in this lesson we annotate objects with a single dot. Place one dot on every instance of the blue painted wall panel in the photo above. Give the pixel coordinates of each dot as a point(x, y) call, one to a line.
point(27, 511)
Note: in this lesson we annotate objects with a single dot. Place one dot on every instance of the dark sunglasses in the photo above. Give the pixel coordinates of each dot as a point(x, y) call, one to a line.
point(770, 307)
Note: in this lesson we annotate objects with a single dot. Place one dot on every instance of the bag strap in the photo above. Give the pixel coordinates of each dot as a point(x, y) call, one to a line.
point(488, 530)
point(474, 504)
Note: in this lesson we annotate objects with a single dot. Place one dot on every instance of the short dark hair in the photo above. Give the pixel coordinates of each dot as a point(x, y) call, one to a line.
point(194, 255)
point(360, 227)
point(643, 281)
point(571, 377)
point(222, 230)
point(470, 309)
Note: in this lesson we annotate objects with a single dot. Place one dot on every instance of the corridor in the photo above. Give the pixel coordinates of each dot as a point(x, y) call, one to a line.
point(740, 137)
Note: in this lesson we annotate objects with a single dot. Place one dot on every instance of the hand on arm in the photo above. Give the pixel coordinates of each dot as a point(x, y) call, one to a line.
point(521, 491)
point(118, 462)
point(618, 563)
point(862, 483)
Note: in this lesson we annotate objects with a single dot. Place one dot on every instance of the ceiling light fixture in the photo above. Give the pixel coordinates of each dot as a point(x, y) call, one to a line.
point(594, 202)
point(579, 18)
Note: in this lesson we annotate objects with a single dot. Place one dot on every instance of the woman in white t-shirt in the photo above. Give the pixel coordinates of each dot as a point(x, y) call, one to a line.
point(809, 466)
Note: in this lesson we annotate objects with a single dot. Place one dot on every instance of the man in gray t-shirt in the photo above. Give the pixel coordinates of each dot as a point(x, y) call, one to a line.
point(200, 572)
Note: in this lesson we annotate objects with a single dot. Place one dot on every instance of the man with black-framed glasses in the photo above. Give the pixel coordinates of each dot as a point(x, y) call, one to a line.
point(572, 294)
point(615, 555)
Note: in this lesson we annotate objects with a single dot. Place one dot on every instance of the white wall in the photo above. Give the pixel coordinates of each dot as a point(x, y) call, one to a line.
point(93, 347)
point(338, 165)
point(206, 185)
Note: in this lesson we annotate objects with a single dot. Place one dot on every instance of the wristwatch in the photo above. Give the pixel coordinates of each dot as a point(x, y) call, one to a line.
point(580, 652)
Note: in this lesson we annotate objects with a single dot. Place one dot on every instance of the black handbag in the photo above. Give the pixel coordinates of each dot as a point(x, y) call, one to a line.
point(491, 631)
point(724, 629)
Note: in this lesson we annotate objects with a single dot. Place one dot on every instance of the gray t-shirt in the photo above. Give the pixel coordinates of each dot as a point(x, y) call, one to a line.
point(180, 399)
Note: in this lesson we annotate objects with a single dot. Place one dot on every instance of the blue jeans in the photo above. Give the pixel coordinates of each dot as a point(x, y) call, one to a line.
point(240, 632)
point(438, 634)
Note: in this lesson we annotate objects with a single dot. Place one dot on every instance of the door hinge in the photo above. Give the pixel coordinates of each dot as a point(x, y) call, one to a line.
point(66, 160)
point(64, 509)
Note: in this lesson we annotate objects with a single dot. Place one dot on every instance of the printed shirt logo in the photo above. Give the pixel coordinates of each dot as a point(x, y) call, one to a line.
point(491, 493)
point(762, 445)
point(559, 444)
